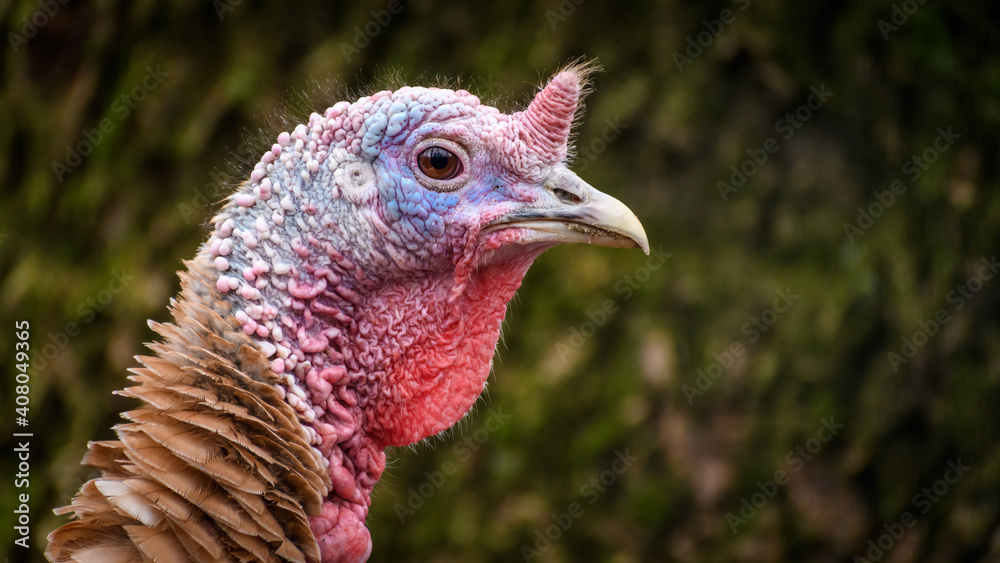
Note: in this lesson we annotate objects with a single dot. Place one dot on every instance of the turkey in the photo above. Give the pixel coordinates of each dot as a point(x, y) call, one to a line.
point(349, 298)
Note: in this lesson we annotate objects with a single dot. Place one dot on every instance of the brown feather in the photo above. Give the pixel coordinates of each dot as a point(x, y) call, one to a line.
point(157, 545)
point(108, 554)
point(214, 466)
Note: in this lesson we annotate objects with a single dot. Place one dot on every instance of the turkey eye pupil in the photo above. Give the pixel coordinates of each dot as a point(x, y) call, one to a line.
point(439, 159)
point(438, 163)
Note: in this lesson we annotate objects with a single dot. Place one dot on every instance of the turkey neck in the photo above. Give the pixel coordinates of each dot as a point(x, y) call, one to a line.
point(369, 364)
point(390, 363)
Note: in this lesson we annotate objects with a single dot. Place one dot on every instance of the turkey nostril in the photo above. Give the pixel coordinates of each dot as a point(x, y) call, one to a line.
point(567, 197)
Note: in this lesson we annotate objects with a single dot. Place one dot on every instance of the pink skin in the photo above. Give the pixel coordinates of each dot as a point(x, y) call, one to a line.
point(386, 341)
point(433, 379)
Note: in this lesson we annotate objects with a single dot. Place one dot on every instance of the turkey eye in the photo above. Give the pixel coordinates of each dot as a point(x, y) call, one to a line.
point(439, 164)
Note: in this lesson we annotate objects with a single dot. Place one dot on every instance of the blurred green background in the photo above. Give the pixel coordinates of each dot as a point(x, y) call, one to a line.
point(603, 349)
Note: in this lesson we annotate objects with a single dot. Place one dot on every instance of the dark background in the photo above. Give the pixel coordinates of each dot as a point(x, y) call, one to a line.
point(567, 405)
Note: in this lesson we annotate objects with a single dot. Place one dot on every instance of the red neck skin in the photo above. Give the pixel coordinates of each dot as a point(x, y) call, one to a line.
point(400, 363)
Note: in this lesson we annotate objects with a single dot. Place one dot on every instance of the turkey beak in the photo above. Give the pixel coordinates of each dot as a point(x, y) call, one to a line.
point(580, 213)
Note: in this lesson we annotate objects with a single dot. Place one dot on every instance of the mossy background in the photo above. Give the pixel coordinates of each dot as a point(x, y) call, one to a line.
point(137, 205)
